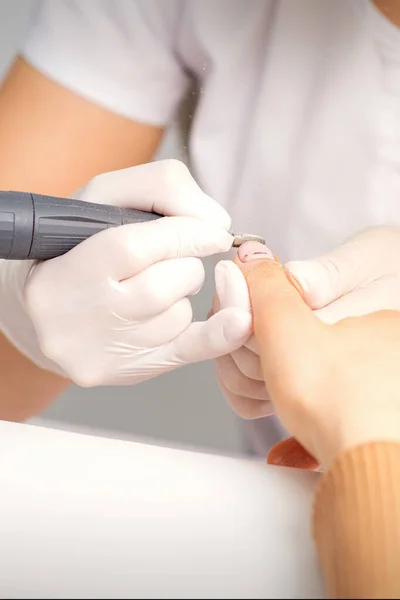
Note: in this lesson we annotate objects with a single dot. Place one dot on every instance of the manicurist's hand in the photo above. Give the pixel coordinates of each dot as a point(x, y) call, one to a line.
point(115, 310)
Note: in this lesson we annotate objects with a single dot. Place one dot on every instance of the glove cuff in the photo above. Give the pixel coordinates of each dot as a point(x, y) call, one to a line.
point(15, 322)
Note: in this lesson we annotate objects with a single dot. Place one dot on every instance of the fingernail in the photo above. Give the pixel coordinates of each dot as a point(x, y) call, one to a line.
point(253, 251)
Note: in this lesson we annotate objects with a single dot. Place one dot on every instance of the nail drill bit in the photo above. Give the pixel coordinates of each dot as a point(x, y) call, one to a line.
point(241, 238)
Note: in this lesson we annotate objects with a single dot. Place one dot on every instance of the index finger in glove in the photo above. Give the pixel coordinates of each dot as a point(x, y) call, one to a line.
point(121, 252)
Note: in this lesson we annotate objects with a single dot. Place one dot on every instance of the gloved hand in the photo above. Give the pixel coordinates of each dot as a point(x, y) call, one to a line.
point(239, 373)
point(357, 278)
point(115, 309)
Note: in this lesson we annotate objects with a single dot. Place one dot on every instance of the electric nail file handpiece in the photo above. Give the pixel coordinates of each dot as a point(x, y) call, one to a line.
point(36, 227)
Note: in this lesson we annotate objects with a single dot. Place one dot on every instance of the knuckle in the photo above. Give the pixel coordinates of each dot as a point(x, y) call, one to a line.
point(333, 269)
point(230, 375)
point(121, 242)
point(134, 251)
point(64, 354)
point(174, 174)
point(84, 377)
point(53, 347)
point(248, 363)
point(243, 406)
point(197, 269)
point(179, 317)
point(246, 408)
point(236, 383)
point(92, 189)
point(36, 298)
point(154, 295)
point(249, 370)
point(191, 275)
point(181, 313)
point(252, 345)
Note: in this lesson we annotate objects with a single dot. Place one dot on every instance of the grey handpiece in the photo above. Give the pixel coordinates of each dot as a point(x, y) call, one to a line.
point(33, 226)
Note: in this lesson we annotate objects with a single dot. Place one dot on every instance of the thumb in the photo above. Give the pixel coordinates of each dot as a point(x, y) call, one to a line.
point(288, 334)
point(319, 281)
point(335, 274)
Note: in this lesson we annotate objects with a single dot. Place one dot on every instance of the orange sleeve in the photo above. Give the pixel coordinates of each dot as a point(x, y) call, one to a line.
point(357, 523)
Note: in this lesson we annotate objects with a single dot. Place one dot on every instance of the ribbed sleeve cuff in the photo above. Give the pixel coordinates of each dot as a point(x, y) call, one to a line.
point(357, 523)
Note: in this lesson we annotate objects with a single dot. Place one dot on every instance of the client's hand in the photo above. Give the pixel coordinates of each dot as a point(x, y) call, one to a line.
point(333, 386)
point(356, 278)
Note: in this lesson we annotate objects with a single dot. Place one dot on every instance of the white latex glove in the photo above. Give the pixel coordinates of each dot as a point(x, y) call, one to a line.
point(239, 373)
point(359, 277)
point(115, 309)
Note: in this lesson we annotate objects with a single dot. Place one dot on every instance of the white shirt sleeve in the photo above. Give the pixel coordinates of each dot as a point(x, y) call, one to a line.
point(119, 55)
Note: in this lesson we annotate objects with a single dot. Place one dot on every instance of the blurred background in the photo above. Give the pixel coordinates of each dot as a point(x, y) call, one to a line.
point(183, 408)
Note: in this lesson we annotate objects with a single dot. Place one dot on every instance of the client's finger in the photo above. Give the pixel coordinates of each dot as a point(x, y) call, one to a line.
point(289, 336)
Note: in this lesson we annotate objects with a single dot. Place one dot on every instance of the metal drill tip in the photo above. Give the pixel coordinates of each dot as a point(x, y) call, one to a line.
point(241, 238)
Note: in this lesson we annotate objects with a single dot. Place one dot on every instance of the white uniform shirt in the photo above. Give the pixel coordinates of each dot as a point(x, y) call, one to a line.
point(297, 129)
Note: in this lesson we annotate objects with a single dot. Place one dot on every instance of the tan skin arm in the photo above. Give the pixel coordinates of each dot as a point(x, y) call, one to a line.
point(52, 141)
point(391, 10)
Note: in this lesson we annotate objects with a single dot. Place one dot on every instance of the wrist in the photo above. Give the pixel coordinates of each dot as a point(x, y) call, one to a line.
point(15, 322)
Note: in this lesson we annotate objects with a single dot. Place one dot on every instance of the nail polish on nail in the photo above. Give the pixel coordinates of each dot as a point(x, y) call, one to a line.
point(253, 251)
point(290, 453)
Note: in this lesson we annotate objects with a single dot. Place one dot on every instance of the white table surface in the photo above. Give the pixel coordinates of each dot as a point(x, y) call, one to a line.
point(89, 517)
